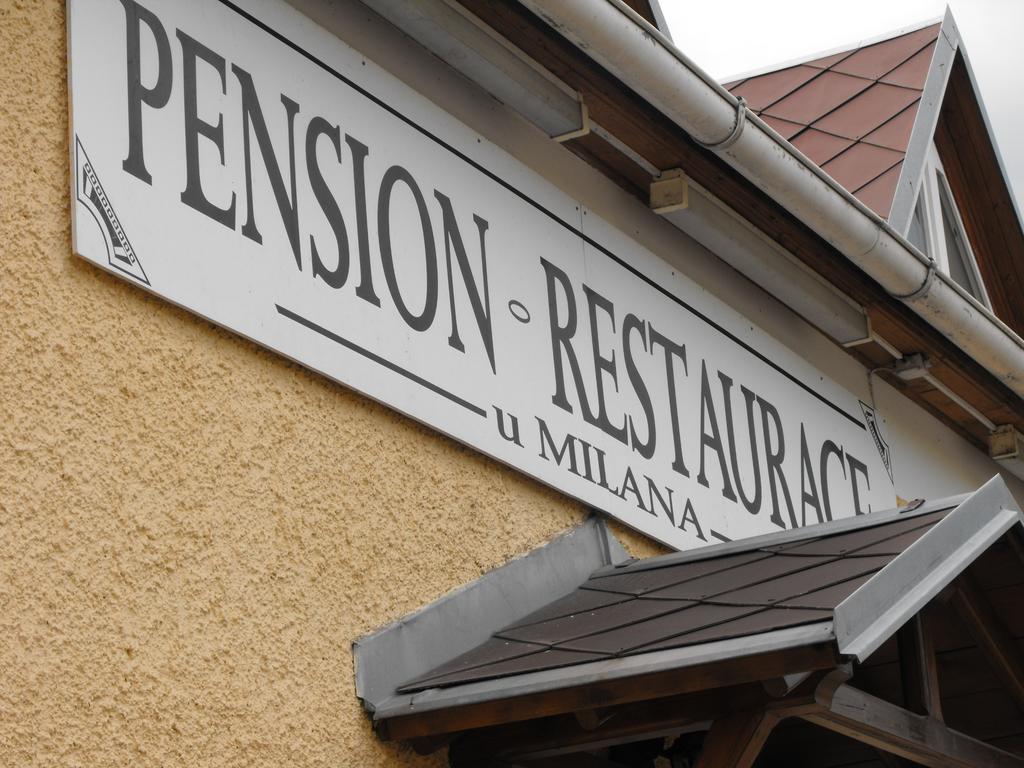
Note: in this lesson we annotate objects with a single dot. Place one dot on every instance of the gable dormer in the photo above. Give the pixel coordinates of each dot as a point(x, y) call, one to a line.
point(899, 122)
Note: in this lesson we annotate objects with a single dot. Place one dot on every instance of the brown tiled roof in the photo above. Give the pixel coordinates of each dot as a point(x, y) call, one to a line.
point(674, 602)
point(851, 113)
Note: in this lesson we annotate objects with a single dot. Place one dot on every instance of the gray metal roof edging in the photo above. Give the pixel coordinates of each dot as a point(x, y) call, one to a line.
point(469, 615)
point(905, 198)
point(871, 615)
point(781, 537)
point(659, 18)
point(602, 671)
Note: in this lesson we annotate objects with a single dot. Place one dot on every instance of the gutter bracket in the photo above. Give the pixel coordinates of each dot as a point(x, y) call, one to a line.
point(670, 192)
point(734, 134)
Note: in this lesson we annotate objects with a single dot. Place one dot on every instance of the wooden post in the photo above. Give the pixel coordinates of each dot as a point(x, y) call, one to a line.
point(736, 740)
point(919, 668)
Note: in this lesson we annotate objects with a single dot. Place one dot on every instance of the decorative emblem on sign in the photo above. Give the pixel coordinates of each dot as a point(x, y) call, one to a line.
point(90, 193)
point(871, 420)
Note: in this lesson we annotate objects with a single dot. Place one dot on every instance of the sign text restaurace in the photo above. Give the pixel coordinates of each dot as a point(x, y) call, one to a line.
point(727, 418)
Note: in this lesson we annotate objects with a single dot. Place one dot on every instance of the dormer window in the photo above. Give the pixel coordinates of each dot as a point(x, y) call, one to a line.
point(937, 230)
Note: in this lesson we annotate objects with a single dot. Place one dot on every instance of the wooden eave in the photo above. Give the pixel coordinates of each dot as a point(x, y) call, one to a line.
point(982, 196)
point(662, 144)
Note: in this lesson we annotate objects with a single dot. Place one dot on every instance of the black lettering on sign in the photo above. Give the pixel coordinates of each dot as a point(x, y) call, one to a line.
point(336, 277)
point(253, 122)
point(193, 195)
point(155, 96)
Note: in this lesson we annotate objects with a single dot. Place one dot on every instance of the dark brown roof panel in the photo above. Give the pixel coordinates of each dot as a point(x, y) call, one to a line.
point(639, 582)
point(734, 578)
point(827, 598)
point(803, 582)
point(687, 601)
point(623, 639)
point(579, 601)
point(764, 620)
point(535, 662)
point(489, 652)
point(859, 539)
point(580, 624)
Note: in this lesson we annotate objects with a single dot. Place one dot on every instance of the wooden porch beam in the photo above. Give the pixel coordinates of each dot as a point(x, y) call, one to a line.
point(991, 635)
point(565, 734)
point(610, 693)
point(918, 738)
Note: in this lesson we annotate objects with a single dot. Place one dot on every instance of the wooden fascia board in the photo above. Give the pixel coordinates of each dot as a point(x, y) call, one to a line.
point(659, 718)
point(563, 734)
point(655, 685)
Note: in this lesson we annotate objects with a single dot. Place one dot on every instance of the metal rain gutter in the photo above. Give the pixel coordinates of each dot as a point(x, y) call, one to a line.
point(645, 60)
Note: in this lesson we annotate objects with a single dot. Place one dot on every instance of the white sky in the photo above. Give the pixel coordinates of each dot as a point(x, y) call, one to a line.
point(730, 37)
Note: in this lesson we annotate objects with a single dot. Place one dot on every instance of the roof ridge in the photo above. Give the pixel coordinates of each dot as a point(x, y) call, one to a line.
point(849, 48)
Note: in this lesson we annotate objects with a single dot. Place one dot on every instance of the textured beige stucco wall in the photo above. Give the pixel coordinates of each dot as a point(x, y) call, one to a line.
point(193, 530)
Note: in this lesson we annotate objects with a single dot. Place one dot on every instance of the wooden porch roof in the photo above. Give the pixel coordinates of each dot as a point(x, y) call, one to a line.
point(909, 647)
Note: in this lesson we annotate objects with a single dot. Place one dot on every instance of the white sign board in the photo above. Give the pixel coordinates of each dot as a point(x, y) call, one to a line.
point(239, 161)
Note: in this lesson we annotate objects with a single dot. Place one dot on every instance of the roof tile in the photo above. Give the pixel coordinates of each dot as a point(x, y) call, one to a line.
point(876, 60)
point(827, 61)
point(817, 98)
point(820, 146)
point(827, 598)
point(803, 582)
point(860, 164)
point(545, 659)
point(579, 601)
point(879, 194)
point(638, 582)
point(866, 94)
point(623, 639)
point(914, 71)
point(856, 540)
point(864, 113)
point(733, 578)
point(895, 133)
point(765, 90)
point(580, 624)
point(764, 620)
point(784, 128)
point(689, 601)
